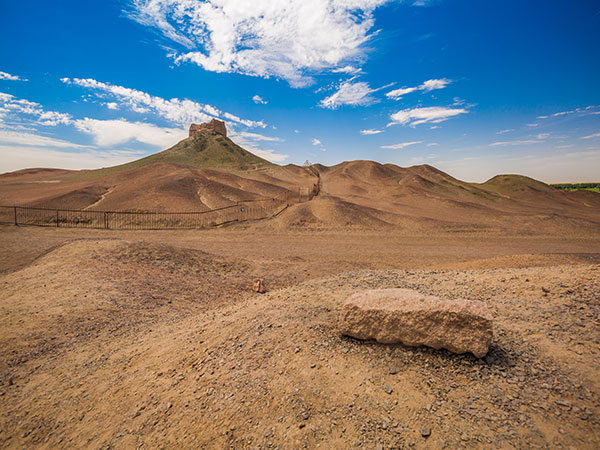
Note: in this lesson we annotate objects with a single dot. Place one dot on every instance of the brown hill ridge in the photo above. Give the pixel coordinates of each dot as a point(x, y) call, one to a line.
point(207, 170)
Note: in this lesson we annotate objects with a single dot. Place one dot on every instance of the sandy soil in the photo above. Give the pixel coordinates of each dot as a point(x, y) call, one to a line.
point(153, 339)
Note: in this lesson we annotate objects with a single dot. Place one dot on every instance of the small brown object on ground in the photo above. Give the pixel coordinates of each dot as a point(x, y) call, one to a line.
point(392, 316)
point(258, 285)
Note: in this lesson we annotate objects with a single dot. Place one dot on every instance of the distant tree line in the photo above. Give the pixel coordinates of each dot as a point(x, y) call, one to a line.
point(577, 186)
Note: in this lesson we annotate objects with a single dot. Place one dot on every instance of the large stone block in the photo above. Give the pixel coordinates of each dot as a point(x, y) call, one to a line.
point(392, 316)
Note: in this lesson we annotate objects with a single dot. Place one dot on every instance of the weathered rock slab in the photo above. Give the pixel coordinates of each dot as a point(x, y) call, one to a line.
point(393, 316)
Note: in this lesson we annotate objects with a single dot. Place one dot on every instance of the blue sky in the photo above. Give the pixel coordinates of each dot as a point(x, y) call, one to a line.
point(473, 88)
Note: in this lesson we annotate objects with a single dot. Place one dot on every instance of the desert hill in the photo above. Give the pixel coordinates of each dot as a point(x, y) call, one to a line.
point(207, 170)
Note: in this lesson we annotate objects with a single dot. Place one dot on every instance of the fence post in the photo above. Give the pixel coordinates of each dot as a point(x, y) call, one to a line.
point(105, 220)
point(15, 209)
point(57, 219)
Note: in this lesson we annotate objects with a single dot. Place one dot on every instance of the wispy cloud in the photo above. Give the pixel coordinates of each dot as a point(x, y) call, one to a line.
point(35, 140)
point(505, 131)
point(370, 132)
point(591, 136)
point(316, 142)
point(259, 100)
point(350, 93)
point(31, 156)
point(427, 86)
point(591, 109)
point(9, 77)
point(107, 133)
point(13, 106)
point(289, 40)
point(401, 145)
point(251, 142)
point(397, 94)
point(348, 69)
point(182, 112)
point(517, 142)
point(418, 116)
point(258, 137)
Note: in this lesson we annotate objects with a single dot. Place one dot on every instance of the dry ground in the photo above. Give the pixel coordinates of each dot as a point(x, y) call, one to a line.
point(152, 339)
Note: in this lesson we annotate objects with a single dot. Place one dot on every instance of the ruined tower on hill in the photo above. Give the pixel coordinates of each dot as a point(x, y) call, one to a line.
point(214, 126)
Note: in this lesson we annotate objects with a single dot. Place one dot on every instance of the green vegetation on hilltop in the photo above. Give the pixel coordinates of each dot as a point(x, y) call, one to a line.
point(577, 186)
point(204, 150)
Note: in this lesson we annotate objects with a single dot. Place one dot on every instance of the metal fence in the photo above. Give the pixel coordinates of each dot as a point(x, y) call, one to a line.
point(140, 220)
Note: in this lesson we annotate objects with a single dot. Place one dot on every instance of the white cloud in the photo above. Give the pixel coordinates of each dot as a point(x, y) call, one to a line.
point(431, 144)
point(249, 142)
point(512, 143)
point(591, 136)
point(349, 93)
point(591, 109)
point(429, 85)
point(182, 112)
point(35, 140)
point(369, 132)
point(257, 137)
point(397, 94)
point(112, 105)
point(418, 116)
point(269, 155)
point(505, 131)
point(401, 145)
point(11, 105)
point(316, 142)
point(532, 124)
point(107, 133)
point(12, 158)
point(9, 77)
point(286, 39)
point(347, 69)
point(259, 100)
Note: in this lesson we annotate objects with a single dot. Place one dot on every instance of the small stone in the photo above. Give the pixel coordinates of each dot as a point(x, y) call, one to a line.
point(313, 365)
point(393, 371)
point(388, 389)
point(258, 285)
point(301, 425)
point(425, 432)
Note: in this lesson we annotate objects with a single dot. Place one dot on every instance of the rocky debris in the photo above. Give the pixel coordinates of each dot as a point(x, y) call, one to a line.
point(392, 316)
point(214, 126)
point(258, 285)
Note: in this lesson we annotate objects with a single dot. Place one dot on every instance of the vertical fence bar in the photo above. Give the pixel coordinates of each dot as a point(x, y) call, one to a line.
point(57, 225)
point(15, 209)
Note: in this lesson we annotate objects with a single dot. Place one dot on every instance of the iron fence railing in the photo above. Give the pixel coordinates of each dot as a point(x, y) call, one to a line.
point(139, 220)
point(151, 220)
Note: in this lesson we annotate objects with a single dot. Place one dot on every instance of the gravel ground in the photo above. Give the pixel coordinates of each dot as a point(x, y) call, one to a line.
point(111, 344)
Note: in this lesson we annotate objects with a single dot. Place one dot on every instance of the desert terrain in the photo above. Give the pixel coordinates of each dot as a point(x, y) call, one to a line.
point(154, 339)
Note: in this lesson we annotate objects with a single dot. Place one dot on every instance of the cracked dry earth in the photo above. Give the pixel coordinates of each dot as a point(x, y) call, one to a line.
point(121, 344)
